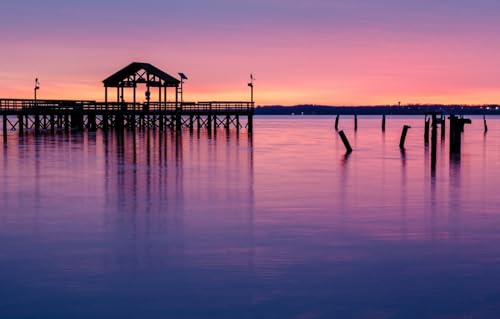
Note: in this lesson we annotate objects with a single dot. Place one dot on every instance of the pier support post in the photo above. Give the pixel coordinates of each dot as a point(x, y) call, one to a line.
point(21, 123)
point(227, 122)
point(52, 123)
point(250, 123)
point(209, 122)
point(92, 122)
point(403, 136)
point(4, 125)
point(237, 123)
point(383, 123)
point(191, 122)
point(337, 122)
point(66, 122)
point(347, 145)
point(37, 124)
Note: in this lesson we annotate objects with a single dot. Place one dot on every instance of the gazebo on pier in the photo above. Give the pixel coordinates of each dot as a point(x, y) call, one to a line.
point(142, 73)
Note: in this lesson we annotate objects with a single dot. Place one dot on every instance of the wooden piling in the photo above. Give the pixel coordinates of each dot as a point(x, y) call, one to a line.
point(383, 123)
point(485, 124)
point(4, 124)
point(337, 122)
point(403, 136)
point(434, 142)
point(250, 123)
point(37, 124)
point(21, 123)
point(347, 145)
point(52, 123)
point(355, 122)
point(426, 130)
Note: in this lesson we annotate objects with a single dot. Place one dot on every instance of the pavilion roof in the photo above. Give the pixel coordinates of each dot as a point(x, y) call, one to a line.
point(137, 72)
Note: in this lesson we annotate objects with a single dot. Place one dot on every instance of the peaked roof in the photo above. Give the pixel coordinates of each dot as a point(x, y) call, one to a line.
point(131, 69)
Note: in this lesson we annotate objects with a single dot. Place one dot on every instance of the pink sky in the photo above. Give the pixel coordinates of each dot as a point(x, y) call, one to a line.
point(320, 52)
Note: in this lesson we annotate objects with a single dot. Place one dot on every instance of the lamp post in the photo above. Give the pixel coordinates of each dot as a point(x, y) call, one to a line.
point(37, 87)
point(250, 84)
point(183, 78)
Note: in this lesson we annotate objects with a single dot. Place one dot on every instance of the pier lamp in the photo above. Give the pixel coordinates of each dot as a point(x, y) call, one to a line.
point(37, 87)
point(183, 78)
point(250, 84)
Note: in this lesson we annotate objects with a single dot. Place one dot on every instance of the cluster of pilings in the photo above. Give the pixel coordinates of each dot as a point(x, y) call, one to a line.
point(432, 122)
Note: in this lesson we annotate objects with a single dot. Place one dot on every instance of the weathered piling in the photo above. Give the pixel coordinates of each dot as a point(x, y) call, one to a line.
point(337, 122)
point(426, 130)
point(456, 128)
point(4, 127)
point(383, 123)
point(355, 122)
point(20, 119)
point(443, 127)
point(434, 142)
point(403, 136)
point(485, 124)
point(347, 145)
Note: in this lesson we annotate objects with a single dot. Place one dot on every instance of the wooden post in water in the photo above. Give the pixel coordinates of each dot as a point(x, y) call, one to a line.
point(4, 124)
point(37, 124)
point(355, 122)
point(337, 122)
point(21, 123)
point(237, 123)
point(250, 123)
point(434, 142)
point(52, 123)
point(347, 145)
point(485, 124)
point(403, 136)
point(443, 127)
point(426, 130)
point(383, 123)
point(227, 122)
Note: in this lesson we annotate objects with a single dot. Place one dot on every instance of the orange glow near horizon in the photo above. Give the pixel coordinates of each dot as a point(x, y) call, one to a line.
point(447, 57)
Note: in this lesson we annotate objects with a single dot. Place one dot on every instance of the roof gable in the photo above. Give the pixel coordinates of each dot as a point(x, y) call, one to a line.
point(129, 74)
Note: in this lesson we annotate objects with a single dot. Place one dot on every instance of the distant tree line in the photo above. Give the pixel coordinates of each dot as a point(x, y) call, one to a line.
point(414, 109)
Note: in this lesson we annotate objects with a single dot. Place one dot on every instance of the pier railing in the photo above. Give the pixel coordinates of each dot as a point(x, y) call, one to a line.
point(17, 105)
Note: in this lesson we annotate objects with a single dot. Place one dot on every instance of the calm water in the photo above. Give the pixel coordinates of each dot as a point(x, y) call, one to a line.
point(280, 225)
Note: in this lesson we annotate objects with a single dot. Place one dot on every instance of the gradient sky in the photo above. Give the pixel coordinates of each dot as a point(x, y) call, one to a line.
point(301, 51)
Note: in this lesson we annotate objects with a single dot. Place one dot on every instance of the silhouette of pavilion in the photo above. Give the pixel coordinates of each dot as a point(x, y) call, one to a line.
point(142, 73)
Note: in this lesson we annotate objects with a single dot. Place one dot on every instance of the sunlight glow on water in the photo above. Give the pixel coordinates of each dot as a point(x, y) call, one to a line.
point(279, 225)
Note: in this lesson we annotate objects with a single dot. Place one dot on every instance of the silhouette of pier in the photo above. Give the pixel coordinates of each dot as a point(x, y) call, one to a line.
point(50, 115)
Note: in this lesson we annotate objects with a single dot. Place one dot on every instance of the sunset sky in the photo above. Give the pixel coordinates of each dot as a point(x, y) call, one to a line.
point(342, 52)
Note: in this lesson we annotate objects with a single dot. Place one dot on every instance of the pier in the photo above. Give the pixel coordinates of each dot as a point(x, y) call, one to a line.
point(50, 115)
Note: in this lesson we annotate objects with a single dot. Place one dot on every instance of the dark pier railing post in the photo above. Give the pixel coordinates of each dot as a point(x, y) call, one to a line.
point(383, 123)
point(355, 122)
point(337, 122)
point(347, 145)
point(403, 136)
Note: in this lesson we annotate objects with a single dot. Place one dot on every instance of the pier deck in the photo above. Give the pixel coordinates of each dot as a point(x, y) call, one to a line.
point(39, 115)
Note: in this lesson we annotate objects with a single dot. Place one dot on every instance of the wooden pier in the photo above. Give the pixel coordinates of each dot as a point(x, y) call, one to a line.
point(50, 115)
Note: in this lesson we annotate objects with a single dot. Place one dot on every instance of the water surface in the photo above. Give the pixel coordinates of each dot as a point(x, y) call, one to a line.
point(278, 225)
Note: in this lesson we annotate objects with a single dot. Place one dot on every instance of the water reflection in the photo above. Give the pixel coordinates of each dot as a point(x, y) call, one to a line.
point(190, 225)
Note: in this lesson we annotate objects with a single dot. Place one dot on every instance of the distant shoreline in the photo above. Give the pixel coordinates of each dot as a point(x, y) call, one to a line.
point(377, 110)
